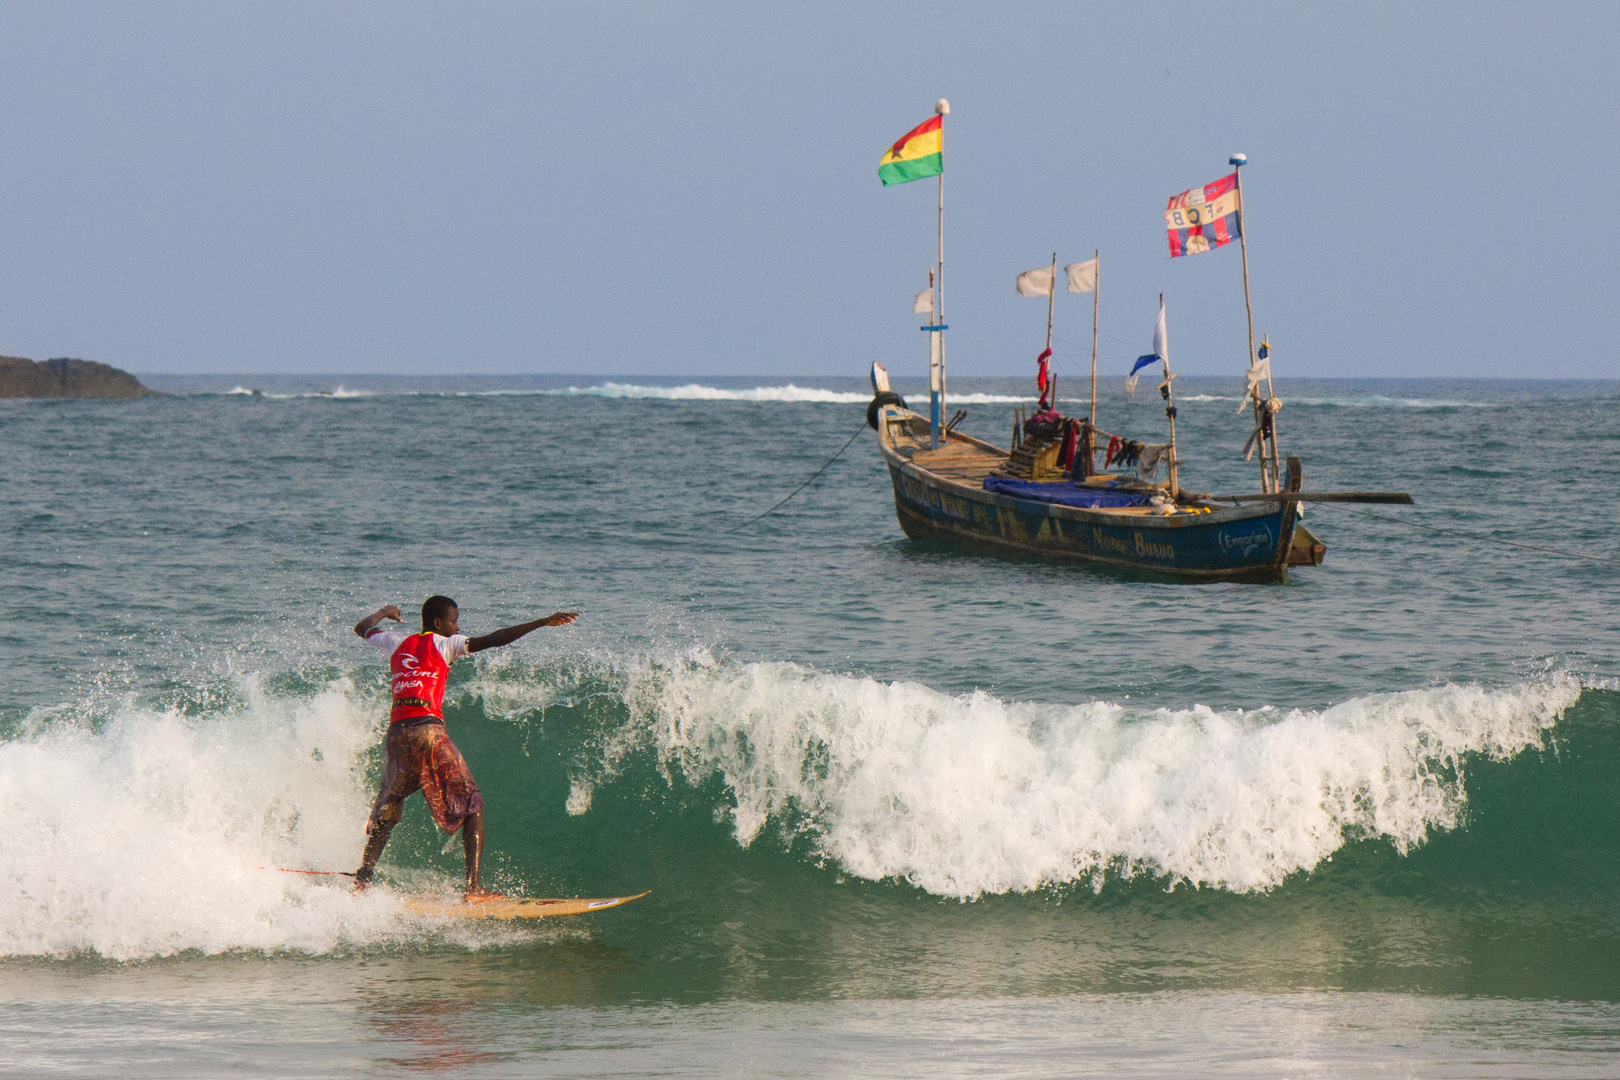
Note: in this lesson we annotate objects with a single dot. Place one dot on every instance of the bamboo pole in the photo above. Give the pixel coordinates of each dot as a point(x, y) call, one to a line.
point(1264, 418)
point(1096, 287)
point(1170, 412)
point(942, 109)
point(1051, 297)
point(933, 320)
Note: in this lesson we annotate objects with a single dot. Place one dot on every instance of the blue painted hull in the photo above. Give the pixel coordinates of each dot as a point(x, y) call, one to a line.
point(1247, 543)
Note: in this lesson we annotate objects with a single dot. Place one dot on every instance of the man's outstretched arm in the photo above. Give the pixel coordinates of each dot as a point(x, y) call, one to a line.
point(511, 633)
point(387, 611)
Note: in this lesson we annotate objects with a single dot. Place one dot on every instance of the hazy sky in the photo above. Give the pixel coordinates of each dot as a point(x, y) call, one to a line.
point(692, 188)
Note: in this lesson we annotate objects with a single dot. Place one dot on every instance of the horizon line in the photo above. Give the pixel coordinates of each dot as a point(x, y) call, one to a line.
point(862, 377)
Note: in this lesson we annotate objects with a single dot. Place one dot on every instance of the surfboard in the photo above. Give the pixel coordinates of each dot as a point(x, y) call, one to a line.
point(510, 907)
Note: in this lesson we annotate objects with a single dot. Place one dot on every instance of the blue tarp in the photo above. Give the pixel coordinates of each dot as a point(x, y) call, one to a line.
point(1065, 493)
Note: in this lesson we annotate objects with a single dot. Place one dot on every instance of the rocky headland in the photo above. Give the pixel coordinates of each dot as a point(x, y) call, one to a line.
point(21, 378)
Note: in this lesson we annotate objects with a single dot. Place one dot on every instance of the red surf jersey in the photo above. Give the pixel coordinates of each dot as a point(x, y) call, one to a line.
point(420, 674)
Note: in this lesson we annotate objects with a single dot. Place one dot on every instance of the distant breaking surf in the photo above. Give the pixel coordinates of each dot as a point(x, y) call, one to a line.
point(792, 393)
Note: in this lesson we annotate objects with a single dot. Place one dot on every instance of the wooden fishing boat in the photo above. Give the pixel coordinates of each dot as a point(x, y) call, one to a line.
point(940, 494)
point(1043, 496)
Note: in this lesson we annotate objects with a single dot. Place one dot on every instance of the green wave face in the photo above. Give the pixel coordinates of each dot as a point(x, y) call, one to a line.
point(846, 840)
point(810, 835)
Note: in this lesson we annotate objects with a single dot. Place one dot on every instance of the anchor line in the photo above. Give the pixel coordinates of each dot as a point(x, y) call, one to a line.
point(1472, 535)
point(802, 486)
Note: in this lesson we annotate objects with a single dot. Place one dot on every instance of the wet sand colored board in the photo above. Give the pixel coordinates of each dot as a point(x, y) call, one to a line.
point(510, 907)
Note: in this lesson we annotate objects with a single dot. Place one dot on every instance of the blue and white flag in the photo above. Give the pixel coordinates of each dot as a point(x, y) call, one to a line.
point(1141, 362)
point(1161, 352)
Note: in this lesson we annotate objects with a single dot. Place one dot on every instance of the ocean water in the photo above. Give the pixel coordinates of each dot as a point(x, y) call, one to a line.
point(904, 811)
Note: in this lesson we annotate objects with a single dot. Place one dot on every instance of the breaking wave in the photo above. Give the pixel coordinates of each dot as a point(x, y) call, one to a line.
point(143, 831)
point(968, 795)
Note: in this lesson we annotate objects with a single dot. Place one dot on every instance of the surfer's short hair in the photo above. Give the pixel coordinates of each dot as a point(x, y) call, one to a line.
point(435, 608)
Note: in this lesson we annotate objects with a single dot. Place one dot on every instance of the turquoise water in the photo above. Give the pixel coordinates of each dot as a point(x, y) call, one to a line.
point(903, 810)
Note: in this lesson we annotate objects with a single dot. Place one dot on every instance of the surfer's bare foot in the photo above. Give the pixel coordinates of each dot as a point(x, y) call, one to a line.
point(475, 895)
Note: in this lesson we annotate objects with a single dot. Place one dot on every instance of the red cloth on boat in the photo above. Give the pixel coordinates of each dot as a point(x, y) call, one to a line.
point(1071, 436)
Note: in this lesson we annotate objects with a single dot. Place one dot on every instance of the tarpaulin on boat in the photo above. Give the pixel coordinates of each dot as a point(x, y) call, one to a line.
point(1065, 493)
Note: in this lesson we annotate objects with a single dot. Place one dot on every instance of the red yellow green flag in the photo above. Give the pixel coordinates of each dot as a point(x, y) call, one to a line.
point(917, 154)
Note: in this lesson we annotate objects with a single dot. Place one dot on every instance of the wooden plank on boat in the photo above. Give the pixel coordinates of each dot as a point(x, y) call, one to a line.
point(1397, 497)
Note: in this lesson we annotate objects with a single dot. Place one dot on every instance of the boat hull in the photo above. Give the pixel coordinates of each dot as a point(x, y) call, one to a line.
point(1249, 543)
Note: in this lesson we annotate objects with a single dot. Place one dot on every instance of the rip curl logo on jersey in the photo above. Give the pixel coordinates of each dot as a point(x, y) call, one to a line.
point(409, 662)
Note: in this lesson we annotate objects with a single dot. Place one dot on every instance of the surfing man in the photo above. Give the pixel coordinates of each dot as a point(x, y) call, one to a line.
point(421, 756)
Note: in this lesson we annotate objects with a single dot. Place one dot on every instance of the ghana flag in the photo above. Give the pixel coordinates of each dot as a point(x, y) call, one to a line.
point(916, 155)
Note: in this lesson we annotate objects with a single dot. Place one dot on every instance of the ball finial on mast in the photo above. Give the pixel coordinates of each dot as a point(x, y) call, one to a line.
point(942, 107)
point(1239, 160)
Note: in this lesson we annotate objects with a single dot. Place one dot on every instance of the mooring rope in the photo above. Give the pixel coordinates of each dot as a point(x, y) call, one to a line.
point(802, 486)
point(1472, 535)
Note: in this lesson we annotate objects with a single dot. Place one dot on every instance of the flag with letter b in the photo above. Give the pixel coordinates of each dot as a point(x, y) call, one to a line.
point(1205, 217)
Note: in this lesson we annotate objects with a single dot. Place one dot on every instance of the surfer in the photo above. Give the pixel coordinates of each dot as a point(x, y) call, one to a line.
point(420, 756)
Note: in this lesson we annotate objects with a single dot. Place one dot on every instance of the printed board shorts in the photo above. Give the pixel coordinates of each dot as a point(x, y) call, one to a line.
point(422, 758)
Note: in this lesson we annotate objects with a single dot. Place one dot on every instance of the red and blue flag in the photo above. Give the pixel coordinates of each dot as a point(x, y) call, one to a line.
point(1205, 217)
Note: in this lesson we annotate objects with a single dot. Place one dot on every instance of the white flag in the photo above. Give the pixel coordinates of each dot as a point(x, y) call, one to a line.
point(924, 303)
point(1035, 282)
point(1260, 369)
point(1082, 276)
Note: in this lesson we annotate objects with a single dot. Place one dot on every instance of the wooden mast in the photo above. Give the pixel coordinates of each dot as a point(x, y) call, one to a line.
point(1165, 392)
point(1051, 298)
point(1096, 287)
point(1265, 417)
point(936, 367)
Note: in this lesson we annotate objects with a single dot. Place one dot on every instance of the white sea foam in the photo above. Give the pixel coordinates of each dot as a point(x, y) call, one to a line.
point(968, 795)
point(142, 838)
point(953, 400)
point(1380, 401)
point(790, 393)
point(1366, 401)
point(699, 392)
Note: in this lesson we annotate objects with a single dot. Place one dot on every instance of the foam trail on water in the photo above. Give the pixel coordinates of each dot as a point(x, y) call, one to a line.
point(968, 795)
